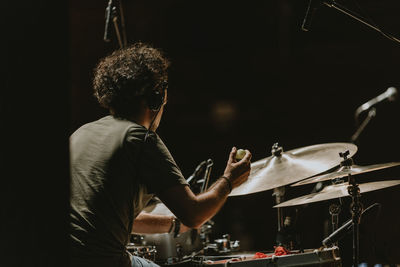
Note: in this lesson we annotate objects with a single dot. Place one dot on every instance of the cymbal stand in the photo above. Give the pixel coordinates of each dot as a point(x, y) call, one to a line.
point(355, 208)
point(334, 210)
point(279, 194)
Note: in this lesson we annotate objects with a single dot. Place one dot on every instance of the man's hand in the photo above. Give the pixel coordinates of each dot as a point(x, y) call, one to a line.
point(237, 171)
point(194, 210)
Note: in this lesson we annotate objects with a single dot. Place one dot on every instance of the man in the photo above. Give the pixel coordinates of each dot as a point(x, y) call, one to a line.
point(118, 163)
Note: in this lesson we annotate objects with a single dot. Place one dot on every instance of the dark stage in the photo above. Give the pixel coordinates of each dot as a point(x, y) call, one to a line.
point(242, 74)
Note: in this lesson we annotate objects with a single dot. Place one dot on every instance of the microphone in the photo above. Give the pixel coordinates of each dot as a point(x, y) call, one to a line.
point(108, 21)
point(312, 7)
point(343, 230)
point(197, 171)
point(390, 94)
point(338, 234)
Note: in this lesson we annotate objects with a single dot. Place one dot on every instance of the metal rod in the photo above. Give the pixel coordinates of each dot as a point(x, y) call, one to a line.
point(371, 114)
point(279, 194)
point(207, 173)
point(334, 210)
point(356, 211)
point(115, 20)
point(123, 28)
point(344, 10)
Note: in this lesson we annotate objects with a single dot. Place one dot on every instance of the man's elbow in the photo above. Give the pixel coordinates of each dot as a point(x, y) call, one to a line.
point(193, 218)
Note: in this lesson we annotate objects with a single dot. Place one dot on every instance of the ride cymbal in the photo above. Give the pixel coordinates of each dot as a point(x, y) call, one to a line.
point(336, 191)
point(345, 171)
point(284, 168)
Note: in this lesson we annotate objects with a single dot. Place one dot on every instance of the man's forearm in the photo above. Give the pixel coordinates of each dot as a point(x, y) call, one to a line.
point(146, 223)
point(196, 210)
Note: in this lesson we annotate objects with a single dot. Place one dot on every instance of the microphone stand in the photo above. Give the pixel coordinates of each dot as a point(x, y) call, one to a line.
point(207, 173)
point(352, 14)
point(115, 22)
point(371, 114)
point(121, 12)
point(112, 14)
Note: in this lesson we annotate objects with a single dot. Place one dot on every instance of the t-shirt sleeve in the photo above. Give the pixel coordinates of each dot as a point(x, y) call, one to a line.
point(156, 167)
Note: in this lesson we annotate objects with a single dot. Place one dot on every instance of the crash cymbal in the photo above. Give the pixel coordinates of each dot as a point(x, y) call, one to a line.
point(336, 191)
point(284, 168)
point(345, 171)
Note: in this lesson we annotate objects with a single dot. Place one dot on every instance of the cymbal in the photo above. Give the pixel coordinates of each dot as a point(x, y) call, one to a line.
point(289, 167)
point(336, 191)
point(346, 170)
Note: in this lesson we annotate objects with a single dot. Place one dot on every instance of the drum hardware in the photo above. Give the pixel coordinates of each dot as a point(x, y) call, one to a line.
point(336, 190)
point(222, 246)
point(196, 184)
point(334, 210)
point(147, 252)
point(355, 207)
point(339, 233)
point(136, 239)
point(279, 194)
point(207, 173)
point(284, 234)
point(205, 231)
point(310, 257)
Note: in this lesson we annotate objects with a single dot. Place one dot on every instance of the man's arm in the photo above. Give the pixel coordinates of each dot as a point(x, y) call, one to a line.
point(194, 210)
point(147, 223)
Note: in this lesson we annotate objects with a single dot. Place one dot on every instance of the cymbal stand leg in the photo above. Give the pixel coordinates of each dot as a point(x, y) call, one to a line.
point(356, 210)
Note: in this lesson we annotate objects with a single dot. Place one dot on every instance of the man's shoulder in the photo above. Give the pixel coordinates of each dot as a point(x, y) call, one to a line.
point(111, 123)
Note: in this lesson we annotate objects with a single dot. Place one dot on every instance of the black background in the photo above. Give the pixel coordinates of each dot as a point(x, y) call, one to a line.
point(276, 82)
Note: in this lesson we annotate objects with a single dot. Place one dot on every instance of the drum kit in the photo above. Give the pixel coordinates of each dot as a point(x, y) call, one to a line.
point(323, 163)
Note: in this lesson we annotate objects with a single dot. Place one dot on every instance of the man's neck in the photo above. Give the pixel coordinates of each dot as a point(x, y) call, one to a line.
point(143, 118)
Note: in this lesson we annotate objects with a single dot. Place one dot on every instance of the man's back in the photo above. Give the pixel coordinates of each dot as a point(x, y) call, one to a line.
point(104, 188)
point(114, 173)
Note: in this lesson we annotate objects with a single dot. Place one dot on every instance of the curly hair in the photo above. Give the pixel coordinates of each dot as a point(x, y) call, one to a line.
point(122, 79)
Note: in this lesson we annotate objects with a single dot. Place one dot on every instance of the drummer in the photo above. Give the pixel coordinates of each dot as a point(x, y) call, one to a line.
point(118, 163)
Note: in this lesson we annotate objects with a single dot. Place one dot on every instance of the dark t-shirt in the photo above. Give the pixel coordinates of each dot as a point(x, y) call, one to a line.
point(114, 173)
